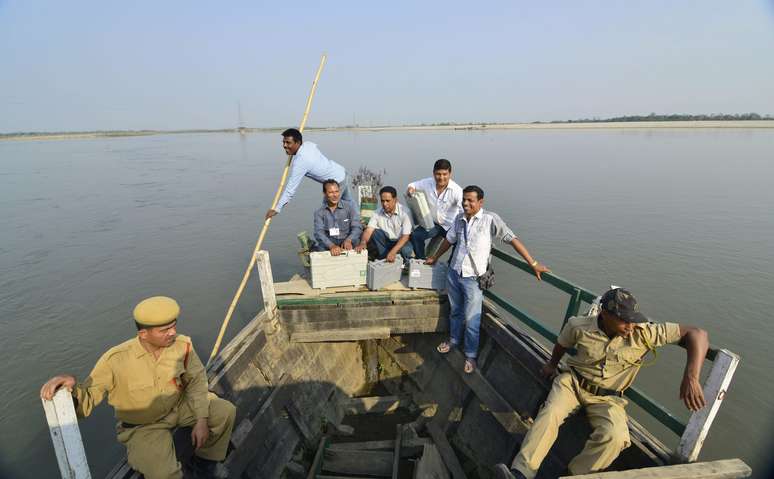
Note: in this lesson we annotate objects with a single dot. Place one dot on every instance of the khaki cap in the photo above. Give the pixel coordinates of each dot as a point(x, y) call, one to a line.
point(156, 311)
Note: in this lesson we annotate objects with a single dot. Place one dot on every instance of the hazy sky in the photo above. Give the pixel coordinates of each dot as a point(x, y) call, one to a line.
point(167, 65)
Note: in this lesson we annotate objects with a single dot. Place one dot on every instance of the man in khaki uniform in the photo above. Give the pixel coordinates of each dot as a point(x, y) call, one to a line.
point(155, 382)
point(610, 350)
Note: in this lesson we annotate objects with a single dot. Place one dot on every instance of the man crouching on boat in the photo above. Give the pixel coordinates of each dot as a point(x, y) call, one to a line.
point(610, 349)
point(156, 383)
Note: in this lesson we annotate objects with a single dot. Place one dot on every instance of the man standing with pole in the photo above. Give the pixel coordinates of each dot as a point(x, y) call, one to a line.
point(308, 161)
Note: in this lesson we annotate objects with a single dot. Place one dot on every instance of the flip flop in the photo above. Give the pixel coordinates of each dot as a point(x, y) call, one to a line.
point(470, 365)
point(444, 347)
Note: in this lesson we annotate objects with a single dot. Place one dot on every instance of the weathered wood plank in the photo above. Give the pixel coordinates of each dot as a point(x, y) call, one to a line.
point(374, 404)
point(367, 463)
point(446, 451)
point(724, 469)
point(714, 392)
point(488, 395)
point(263, 265)
point(66, 436)
point(329, 335)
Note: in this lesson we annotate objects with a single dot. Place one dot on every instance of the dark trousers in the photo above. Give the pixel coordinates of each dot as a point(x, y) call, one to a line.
point(421, 235)
point(383, 246)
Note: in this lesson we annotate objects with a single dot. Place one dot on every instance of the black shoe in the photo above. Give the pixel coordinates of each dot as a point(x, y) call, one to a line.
point(502, 472)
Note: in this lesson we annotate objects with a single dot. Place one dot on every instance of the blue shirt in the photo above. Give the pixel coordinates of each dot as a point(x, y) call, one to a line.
point(309, 161)
point(345, 218)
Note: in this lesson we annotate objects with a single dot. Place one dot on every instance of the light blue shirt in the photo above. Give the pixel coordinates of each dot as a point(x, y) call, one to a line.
point(309, 161)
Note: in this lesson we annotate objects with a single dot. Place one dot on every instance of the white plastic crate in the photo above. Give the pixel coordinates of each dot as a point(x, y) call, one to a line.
point(427, 277)
point(347, 269)
point(381, 273)
point(420, 209)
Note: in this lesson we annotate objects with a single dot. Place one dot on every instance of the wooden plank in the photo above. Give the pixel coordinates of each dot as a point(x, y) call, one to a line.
point(724, 469)
point(66, 436)
point(396, 451)
point(431, 466)
point(446, 451)
point(408, 448)
point(339, 335)
point(488, 395)
point(715, 389)
point(298, 420)
point(314, 469)
point(263, 265)
point(373, 404)
point(366, 463)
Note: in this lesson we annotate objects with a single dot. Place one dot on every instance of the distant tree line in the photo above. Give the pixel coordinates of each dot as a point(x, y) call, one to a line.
point(674, 117)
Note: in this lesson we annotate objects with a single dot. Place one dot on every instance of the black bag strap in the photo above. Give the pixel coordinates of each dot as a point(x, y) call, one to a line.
point(472, 262)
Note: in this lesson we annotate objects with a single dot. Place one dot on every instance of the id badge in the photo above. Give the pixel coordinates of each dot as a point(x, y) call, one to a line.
point(334, 231)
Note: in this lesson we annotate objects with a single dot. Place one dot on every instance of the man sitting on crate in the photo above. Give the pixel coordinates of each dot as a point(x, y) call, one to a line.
point(156, 383)
point(389, 229)
point(337, 224)
point(444, 198)
point(610, 348)
point(472, 234)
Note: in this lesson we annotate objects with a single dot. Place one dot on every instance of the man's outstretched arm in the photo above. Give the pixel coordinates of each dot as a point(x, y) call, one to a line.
point(696, 342)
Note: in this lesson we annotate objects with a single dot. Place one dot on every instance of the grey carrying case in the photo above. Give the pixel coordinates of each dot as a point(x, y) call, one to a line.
point(380, 273)
point(425, 276)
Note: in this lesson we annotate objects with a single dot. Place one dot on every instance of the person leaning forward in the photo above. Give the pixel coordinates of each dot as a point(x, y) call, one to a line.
point(610, 350)
point(155, 382)
point(337, 224)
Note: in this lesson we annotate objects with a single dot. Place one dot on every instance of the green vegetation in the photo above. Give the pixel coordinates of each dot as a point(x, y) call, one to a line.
point(674, 117)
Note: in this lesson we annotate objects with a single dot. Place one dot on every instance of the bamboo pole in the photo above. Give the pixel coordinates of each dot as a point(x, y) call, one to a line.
point(266, 223)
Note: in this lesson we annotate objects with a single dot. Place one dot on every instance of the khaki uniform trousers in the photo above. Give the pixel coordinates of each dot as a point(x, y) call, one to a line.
point(150, 449)
point(610, 434)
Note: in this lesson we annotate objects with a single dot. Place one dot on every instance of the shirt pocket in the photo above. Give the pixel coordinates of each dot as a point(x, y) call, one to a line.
point(141, 390)
point(628, 357)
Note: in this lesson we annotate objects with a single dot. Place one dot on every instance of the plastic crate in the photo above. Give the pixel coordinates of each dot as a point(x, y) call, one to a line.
point(347, 269)
point(381, 273)
point(427, 277)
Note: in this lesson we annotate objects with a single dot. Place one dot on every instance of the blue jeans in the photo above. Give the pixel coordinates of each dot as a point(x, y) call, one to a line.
point(465, 298)
point(420, 235)
point(384, 245)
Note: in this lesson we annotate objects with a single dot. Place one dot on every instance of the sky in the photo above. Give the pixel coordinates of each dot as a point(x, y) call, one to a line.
point(81, 65)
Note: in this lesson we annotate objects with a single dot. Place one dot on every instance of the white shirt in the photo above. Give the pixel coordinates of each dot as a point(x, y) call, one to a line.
point(445, 206)
point(481, 228)
point(395, 225)
point(310, 162)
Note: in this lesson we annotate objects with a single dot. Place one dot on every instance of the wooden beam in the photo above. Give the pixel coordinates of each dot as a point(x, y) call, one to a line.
point(396, 451)
point(365, 463)
point(330, 335)
point(715, 389)
point(373, 404)
point(725, 469)
point(263, 266)
point(314, 469)
point(488, 395)
point(66, 436)
point(446, 451)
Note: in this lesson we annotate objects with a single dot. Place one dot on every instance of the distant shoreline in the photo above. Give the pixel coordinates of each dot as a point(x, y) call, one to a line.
point(465, 127)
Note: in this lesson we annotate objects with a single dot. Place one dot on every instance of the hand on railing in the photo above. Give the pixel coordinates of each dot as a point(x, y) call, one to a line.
point(48, 389)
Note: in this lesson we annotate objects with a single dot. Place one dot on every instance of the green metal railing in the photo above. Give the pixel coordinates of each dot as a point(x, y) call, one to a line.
point(579, 295)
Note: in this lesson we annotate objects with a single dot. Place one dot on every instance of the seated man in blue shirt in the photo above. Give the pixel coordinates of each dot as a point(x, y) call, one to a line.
point(307, 161)
point(337, 224)
point(389, 229)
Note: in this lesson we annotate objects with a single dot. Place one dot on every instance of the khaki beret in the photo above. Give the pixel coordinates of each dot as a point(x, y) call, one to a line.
point(156, 311)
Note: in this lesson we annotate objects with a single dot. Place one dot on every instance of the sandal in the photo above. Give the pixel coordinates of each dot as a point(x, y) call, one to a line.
point(444, 347)
point(470, 365)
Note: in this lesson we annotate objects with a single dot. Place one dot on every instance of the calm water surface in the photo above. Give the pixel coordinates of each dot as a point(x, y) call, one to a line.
point(681, 217)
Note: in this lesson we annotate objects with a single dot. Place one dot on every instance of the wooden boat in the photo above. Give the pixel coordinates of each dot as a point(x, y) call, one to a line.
point(347, 383)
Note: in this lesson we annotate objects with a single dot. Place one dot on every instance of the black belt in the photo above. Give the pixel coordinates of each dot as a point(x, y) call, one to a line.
point(594, 389)
point(127, 425)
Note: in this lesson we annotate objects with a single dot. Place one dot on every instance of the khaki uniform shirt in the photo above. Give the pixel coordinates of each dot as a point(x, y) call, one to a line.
point(612, 363)
point(141, 388)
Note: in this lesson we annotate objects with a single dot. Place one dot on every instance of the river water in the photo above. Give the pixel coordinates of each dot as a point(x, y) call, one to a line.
point(89, 227)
